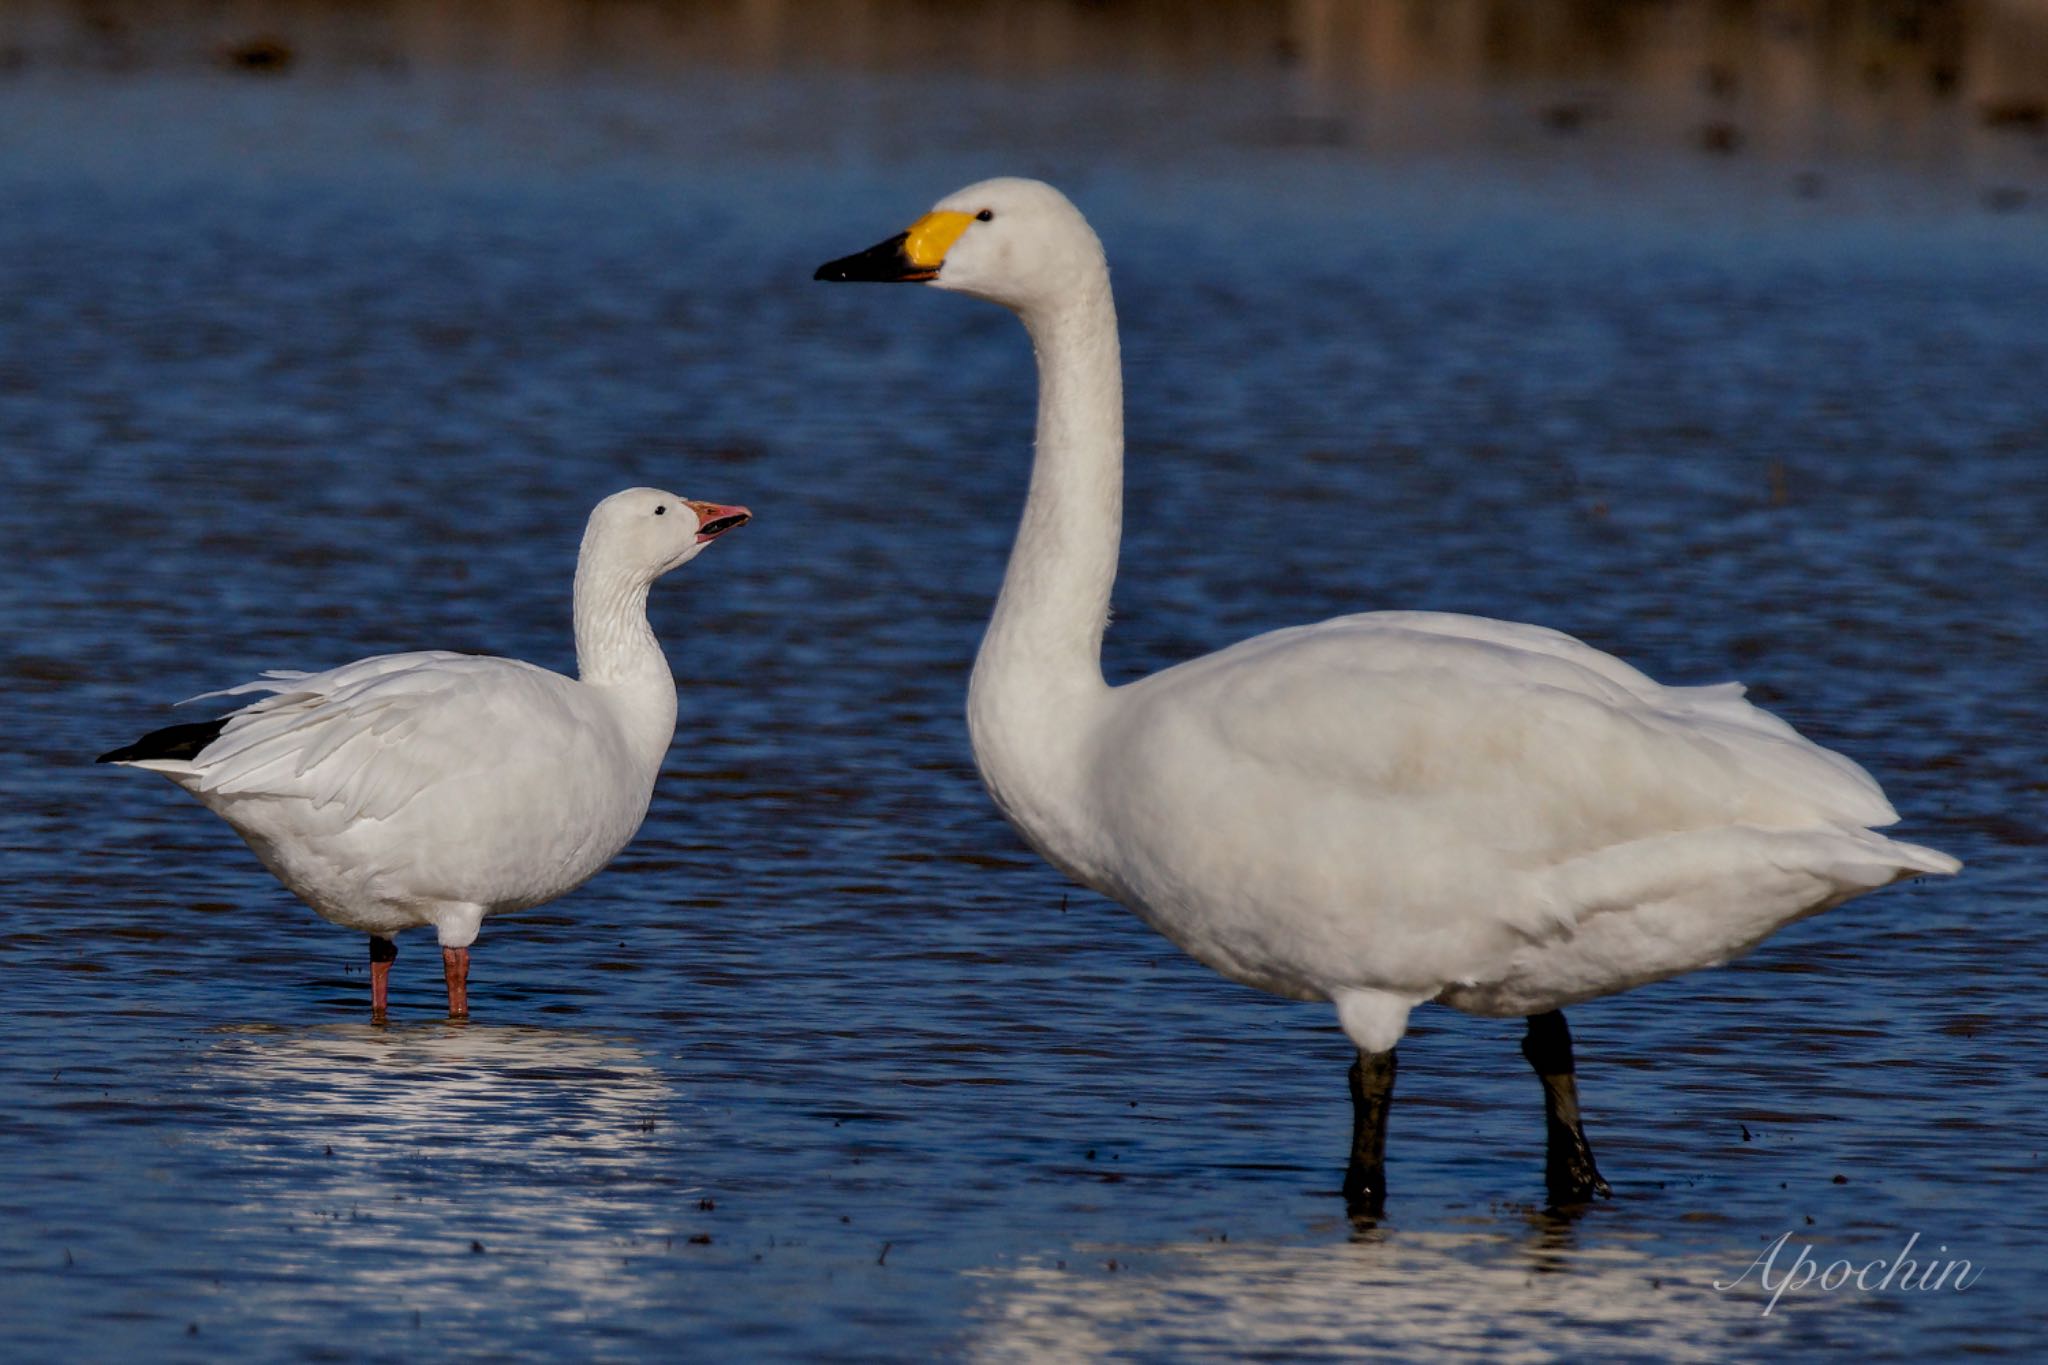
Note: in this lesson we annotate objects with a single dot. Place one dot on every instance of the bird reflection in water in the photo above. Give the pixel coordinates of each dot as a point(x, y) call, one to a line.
point(421, 1162)
point(1427, 1293)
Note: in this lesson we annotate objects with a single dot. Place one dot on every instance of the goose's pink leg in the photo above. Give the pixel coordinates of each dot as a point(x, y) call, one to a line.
point(455, 967)
point(382, 952)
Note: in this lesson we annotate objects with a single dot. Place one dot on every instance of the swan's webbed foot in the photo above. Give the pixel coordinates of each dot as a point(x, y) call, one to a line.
point(383, 952)
point(1372, 1091)
point(1569, 1175)
point(455, 969)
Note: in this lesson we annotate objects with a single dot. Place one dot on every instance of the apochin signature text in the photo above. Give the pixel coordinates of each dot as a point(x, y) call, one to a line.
point(1871, 1277)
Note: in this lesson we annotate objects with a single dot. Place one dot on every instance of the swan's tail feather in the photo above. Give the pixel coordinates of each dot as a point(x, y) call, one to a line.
point(1680, 902)
point(1742, 876)
point(1915, 860)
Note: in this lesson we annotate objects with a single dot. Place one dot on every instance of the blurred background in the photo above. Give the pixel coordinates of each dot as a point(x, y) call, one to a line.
point(1709, 332)
point(1957, 86)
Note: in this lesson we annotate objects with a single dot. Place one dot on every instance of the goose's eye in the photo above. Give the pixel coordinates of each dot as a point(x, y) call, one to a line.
point(985, 216)
point(659, 510)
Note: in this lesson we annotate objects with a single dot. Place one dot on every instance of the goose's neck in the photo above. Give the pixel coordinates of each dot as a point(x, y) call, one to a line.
point(616, 652)
point(1040, 666)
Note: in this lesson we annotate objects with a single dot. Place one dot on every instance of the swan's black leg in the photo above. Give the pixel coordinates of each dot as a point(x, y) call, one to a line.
point(1372, 1090)
point(1568, 1170)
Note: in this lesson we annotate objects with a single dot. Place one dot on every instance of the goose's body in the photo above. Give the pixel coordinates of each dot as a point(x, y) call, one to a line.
point(434, 789)
point(400, 791)
point(1378, 810)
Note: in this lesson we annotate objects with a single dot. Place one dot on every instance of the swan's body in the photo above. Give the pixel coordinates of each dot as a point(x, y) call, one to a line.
point(1422, 806)
point(1379, 810)
point(433, 788)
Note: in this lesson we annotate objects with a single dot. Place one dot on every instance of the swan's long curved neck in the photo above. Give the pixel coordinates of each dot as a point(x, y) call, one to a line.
point(1042, 655)
point(616, 652)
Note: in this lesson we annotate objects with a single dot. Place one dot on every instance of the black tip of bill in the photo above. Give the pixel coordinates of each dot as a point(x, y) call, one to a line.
point(882, 263)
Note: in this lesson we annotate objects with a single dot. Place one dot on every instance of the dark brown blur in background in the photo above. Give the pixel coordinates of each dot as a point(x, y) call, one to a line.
point(1798, 78)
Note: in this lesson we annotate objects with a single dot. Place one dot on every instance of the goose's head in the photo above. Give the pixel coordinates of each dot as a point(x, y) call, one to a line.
point(645, 532)
point(1016, 242)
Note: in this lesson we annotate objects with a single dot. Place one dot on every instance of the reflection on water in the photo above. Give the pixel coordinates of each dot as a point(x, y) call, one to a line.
point(372, 1160)
point(1412, 1295)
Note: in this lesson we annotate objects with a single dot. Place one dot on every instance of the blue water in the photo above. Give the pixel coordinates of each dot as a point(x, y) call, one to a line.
point(828, 1065)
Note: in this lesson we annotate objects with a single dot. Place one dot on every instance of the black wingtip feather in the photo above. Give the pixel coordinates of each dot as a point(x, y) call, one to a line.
point(173, 741)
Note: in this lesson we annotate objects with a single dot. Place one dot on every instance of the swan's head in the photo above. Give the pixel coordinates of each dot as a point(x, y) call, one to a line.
point(1019, 243)
point(644, 532)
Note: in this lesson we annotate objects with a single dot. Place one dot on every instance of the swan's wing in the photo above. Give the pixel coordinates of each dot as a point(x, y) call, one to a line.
point(1716, 713)
point(370, 737)
point(1408, 799)
point(1538, 745)
point(1722, 703)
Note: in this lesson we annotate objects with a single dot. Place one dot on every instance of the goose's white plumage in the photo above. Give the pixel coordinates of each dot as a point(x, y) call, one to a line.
point(1379, 810)
point(428, 787)
point(435, 788)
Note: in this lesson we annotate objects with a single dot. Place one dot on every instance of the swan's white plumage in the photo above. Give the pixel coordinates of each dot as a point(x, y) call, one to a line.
point(1466, 798)
point(1380, 809)
point(435, 788)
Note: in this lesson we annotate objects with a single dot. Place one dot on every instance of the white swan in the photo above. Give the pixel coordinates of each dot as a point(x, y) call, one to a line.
point(436, 788)
point(1379, 810)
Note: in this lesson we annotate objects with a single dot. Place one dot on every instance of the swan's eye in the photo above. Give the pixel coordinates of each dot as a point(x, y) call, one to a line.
point(985, 216)
point(659, 510)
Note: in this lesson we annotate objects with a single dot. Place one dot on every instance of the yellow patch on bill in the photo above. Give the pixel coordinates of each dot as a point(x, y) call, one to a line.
point(932, 236)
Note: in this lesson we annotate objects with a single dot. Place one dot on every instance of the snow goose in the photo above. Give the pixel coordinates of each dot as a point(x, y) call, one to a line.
point(1379, 810)
point(436, 788)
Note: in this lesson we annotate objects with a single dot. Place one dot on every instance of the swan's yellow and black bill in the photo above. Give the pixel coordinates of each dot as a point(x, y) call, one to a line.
point(907, 258)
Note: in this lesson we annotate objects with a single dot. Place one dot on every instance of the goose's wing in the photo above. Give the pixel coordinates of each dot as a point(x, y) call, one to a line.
point(370, 737)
